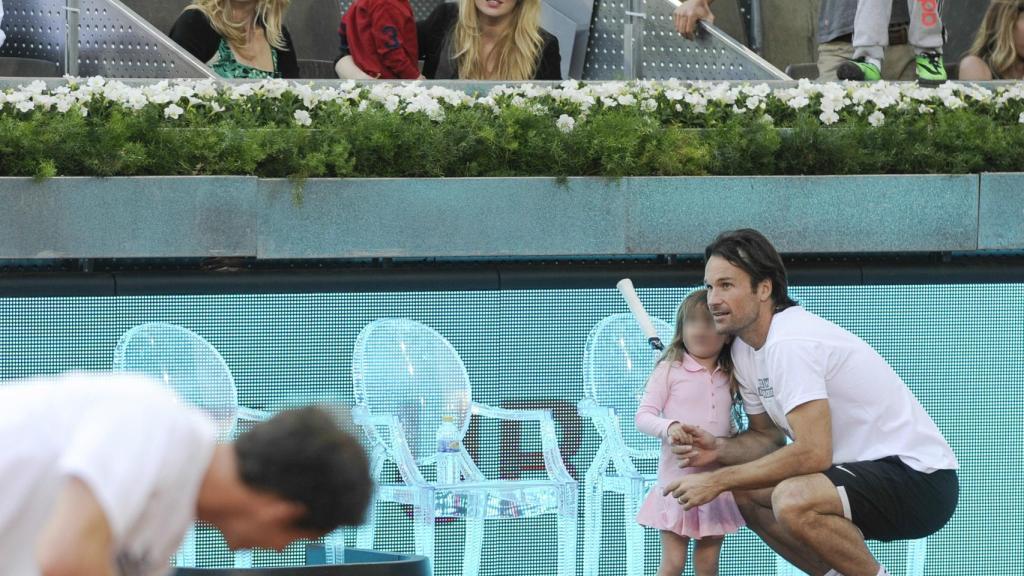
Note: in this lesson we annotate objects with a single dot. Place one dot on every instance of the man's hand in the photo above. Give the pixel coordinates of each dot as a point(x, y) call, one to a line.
point(687, 15)
point(694, 489)
point(702, 449)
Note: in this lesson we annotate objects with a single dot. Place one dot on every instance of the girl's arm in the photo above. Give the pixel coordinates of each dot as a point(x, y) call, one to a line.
point(648, 415)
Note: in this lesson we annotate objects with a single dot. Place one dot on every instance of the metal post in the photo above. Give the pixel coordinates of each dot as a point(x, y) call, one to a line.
point(71, 40)
point(756, 28)
point(632, 38)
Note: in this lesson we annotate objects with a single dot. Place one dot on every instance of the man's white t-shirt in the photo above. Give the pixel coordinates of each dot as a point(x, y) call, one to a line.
point(874, 414)
point(142, 453)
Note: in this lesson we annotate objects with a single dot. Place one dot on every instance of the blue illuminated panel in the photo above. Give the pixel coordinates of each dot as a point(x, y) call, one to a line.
point(960, 348)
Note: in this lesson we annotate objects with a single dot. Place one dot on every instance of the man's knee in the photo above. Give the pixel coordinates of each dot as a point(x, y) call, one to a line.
point(791, 500)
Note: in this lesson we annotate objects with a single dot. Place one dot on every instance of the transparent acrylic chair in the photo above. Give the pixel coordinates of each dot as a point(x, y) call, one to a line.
point(192, 367)
point(406, 377)
point(617, 361)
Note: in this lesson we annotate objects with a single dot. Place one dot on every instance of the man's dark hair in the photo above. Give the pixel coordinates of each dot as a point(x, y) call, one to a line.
point(303, 456)
point(750, 251)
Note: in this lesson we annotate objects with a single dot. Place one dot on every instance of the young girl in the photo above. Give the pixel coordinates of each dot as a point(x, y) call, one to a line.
point(691, 384)
point(998, 50)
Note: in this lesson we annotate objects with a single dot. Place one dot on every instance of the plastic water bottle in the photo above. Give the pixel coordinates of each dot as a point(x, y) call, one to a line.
point(447, 451)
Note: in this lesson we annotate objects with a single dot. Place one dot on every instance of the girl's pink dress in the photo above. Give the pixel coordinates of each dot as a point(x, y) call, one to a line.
point(687, 393)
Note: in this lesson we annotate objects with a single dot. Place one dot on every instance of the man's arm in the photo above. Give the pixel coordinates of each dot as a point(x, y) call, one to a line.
point(761, 437)
point(77, 539)
point(810, 452)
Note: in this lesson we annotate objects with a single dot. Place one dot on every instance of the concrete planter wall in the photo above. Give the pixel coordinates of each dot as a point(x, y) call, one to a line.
point(163, 217)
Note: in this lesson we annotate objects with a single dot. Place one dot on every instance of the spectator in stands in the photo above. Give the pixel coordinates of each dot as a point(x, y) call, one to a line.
point(238, 38)
point(381, 37)
point(998, 50)
point(835, 36)
point(480, 40)
point(870, 38)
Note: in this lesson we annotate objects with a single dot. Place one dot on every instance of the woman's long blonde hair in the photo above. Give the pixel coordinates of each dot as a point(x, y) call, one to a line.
point(515, 54)
point(994, 43)
point(269, 13)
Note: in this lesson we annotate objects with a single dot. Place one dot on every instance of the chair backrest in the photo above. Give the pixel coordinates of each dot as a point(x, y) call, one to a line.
point(617, 361)
point(186, 363)
point(406, 369)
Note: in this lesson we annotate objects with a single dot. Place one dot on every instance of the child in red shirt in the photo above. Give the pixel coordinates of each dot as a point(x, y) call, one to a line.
point(381, 37)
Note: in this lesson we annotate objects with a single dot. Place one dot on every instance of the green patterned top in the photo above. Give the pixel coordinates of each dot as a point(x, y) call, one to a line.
point(227, 66)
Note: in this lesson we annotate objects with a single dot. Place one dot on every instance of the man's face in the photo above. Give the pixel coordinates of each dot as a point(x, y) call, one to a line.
point(734, 304)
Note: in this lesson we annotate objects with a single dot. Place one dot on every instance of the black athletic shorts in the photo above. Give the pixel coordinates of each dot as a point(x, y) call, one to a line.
point(889, 500)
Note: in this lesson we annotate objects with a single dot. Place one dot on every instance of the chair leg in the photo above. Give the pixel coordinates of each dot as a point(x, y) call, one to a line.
point(473, 547)
point(917, 552)
point(243, 559)
point(423, 519)
point(567, 531)
point(185, 557)
point(334, 547)
point(634, 537)
point(592, 524)
point(365, 532)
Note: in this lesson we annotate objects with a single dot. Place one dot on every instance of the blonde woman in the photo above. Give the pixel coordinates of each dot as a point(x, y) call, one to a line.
point(998, 51)
point(238, 38)
point(481, 40)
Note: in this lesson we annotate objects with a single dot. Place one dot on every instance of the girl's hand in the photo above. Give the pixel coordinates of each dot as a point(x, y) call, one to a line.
point(701, 450)
point(677, 435)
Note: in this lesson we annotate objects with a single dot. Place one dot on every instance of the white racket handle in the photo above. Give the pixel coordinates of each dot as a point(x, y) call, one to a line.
point(625, 287)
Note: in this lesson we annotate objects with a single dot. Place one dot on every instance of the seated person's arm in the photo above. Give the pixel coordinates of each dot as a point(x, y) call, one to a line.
point(689, 13)
point(550, 66)
point(346, 69)
point(387, 27)
point(77, 539)
point(974, 68)
point(288, 60)
point(193, 32)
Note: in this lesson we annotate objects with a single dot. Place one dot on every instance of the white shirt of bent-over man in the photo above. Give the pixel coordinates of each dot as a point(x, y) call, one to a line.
point(874, 414)
point(140, 452)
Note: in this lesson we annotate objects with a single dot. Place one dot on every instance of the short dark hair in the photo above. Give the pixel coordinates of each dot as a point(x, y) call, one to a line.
point(750, 251)
point(302, 455)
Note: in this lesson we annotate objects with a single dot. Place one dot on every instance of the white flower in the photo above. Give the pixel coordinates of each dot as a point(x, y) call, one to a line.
point(627, 100)
point(799, 102)
point(216, 107)
point(173, 111)
point(753, 103)
point(829, 117)
point(877, 118)
point(767, 119)
point(648, 105)
point(679, 108)
point(83, 111)
point(302, 118)
point(565, 123)
point(674, 95)
point(24, 105)
point(924, 109)
point(1021, 119)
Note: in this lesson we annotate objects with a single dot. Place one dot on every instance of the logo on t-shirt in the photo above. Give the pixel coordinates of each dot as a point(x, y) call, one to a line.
point(764, 389)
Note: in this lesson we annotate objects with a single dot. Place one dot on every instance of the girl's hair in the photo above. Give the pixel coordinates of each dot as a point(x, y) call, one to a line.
point(516, 52)
point(269, 14)
point(695, 307)
point(994, 43)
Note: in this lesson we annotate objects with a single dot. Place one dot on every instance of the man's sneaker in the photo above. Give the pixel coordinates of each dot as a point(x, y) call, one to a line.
point(859, 70)
point(930, 68)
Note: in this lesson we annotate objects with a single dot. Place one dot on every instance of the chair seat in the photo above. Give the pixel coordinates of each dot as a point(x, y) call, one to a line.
point(487, 500)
